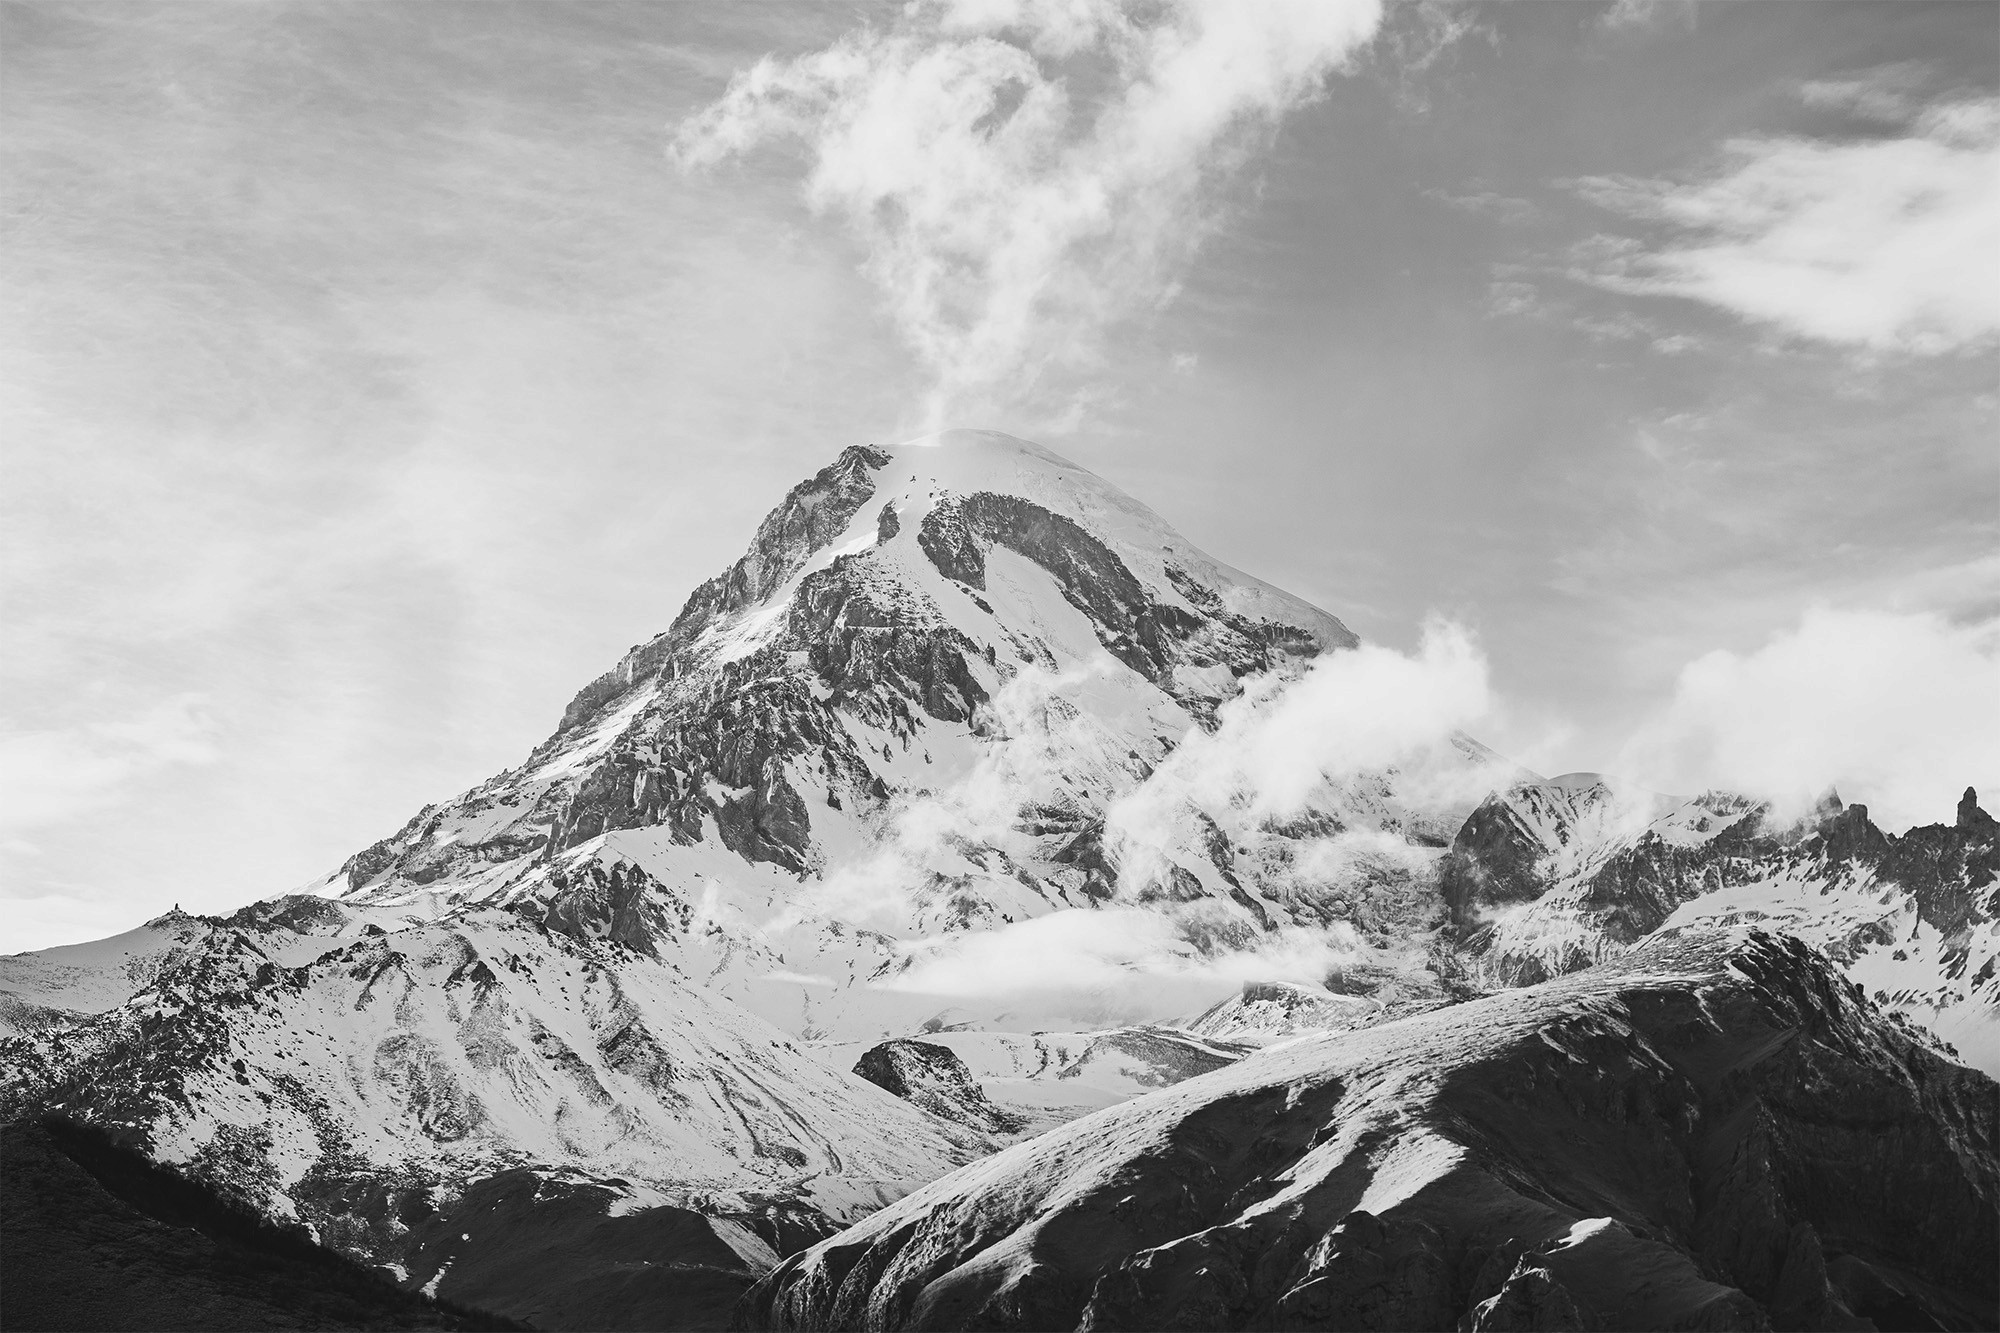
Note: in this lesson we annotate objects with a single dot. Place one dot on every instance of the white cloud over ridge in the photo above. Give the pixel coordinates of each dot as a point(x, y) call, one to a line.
point(1026, 173)
point(1901, 711)
point(1884, 243)
point(1110, 965)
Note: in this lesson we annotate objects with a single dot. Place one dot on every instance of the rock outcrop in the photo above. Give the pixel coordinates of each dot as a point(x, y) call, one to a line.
point(934, 1078)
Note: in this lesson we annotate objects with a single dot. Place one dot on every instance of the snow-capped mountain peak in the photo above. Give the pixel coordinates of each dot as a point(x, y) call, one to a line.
point(964, 632)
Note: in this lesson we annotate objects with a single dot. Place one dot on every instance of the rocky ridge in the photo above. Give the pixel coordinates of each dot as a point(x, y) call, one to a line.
point(1548, 878)
point(1708, 1132)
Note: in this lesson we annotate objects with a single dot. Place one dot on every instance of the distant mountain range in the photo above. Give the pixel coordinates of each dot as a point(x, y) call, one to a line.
point(767, 941)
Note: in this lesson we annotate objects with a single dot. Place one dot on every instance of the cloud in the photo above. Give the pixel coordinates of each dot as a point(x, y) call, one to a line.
point(1900, 710)
point(1881, 243)
point(1886, 95)
point(1503, 208)
point(1279, 745)
point(1648, 15)
point(50, 775)
point(1280, 741)
point(1043, 739)
point(1110, 965)
point(1024, 174)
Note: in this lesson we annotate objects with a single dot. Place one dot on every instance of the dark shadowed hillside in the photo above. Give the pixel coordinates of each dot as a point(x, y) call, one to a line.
point(94, 1236)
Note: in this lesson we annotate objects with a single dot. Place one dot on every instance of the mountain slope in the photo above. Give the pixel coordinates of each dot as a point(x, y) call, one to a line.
point(1668, 1141)
point(449, 1050)
point(94, 1236)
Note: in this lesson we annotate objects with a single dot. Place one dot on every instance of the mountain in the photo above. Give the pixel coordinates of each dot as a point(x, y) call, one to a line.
point(1706, 1132)
point(613, 966)
point(1545, 878)
point(917, 834)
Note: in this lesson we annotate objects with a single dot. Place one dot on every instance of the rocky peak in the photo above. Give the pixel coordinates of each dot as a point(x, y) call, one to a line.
point(1971, 819)
point(1850, 834)
point(807, 688)
point(934, 1078)
point(812, 514)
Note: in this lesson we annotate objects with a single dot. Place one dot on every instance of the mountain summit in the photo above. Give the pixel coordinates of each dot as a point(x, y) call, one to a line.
point(964, 634)
point(884, 601)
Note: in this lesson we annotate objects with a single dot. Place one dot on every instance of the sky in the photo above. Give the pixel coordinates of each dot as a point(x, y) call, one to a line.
point(375, 375)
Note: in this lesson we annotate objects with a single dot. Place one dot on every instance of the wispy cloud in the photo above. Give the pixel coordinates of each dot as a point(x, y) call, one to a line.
point(1025, 174)
point(1044, 740)
point(1885, 243)
point(1645, 15)
point(51, 775)
point(1886, 95)
point(1108, 966)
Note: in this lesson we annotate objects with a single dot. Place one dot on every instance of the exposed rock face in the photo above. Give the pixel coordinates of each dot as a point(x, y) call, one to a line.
point(1971, 819)
point(1627, 857)
point(811, 515)
point(1150, 1057)
point(1673, 1140)
point(933, 1077)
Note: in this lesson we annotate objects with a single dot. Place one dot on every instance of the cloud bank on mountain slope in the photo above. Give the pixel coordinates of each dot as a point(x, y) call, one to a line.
point(1110, 965)
point(1042, 734)
point(1365, 710)
point(1025, 173)
point(1284, 739)
point(1900, 710)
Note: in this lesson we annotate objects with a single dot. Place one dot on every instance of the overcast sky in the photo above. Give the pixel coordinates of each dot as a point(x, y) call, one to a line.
point(376, 374)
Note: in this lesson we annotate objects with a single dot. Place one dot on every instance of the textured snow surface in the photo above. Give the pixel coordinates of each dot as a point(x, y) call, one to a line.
point(456, 1049)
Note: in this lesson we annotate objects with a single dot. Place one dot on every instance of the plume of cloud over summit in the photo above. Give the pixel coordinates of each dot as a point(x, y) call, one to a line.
point(1023, 174)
